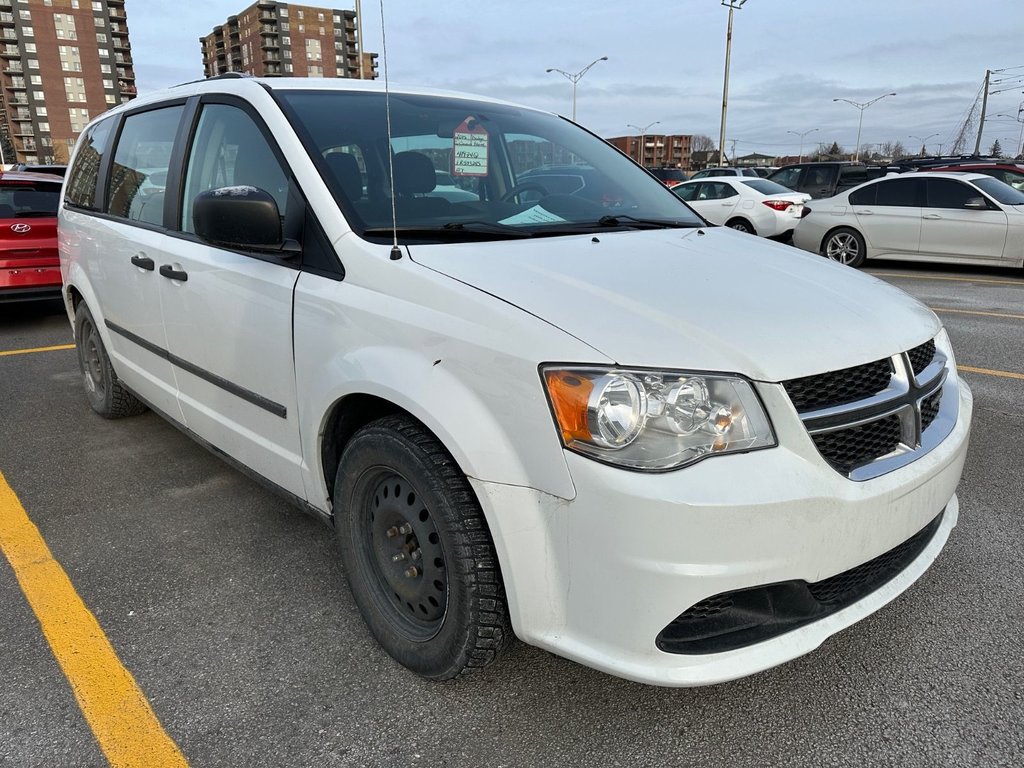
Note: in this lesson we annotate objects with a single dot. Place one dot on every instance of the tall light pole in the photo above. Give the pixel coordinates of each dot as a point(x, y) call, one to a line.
point(801, 135)
point(643, 133)
point(924, 142)
point(575, 77)
point(860, 123)
point(1019, 117)
point(732, 5)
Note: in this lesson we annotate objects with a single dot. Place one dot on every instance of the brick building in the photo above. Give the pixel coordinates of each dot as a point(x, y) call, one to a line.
point(62, 62)
point(659, 151)
point(271, 39)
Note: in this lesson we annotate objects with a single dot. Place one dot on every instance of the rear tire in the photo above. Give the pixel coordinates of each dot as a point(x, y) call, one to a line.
point(741, 225)
point(106, 395)
point(846, 246)
point(417, 552)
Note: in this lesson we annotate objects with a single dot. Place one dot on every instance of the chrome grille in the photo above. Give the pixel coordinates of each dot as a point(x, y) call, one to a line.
point(872, 418)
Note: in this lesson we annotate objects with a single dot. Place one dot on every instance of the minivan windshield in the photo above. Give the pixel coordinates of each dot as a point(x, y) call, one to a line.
point(464, 169)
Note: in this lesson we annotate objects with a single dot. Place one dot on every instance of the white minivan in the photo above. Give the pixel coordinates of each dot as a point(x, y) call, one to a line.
point(664, 449)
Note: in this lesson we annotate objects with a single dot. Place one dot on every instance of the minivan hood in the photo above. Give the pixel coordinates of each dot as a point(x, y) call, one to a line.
point(709, 299)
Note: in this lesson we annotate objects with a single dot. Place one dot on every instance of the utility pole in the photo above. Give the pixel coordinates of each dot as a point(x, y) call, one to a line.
point(984, 106)
point(359, 38)
point(731, 5)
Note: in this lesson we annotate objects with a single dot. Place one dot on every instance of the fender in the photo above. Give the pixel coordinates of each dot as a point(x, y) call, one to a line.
point(458, 404)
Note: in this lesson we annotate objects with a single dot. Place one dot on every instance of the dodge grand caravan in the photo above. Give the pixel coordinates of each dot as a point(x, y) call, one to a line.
point(662, 449)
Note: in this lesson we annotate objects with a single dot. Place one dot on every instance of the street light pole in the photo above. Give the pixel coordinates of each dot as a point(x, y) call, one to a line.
point(643, 133)
point(575, 77)
point(860, 122)
point(924, 142)
point(732, 5)
point(801, 135)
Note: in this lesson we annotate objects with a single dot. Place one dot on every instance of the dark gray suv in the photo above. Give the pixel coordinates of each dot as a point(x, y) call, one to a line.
point(828, 178)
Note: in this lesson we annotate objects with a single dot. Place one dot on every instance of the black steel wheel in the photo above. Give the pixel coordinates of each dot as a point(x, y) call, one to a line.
point(106, 395)
point(417, 552)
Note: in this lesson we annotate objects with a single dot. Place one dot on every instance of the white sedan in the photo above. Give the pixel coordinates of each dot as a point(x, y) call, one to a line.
point(958, 218)
point(753, 205)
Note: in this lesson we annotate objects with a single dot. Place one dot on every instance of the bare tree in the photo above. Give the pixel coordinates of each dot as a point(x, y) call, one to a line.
point(701, 143)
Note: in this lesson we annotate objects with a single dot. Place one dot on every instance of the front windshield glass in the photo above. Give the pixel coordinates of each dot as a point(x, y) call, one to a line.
point(1001, 191)
point(465, 168)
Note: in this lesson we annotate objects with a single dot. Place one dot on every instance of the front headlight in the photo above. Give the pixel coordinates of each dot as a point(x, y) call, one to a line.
point(655, 420)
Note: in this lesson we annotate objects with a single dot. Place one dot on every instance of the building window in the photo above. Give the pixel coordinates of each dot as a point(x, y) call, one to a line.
point(104, 53)
point(313, 50)
point(33, 63)
point(28, 32)
point(37, 95)
point(41, 111)
point(319, 17)
point(97, 6)
point(25, 15)
point(105, 69)
point(35, 79)
point(30, 47)
point(101, 37)
point(44, 126)
point(74, 88)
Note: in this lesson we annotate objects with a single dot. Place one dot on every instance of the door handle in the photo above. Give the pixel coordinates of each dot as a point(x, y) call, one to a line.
point(865, 213)
point(931, 216)
point(170, 272)
point(143, 262)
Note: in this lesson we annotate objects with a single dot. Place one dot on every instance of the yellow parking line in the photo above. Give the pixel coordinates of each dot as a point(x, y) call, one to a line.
point(964, 279)
point(988, 372)
point(7, 352)
point(113, 704)
point(976, 312)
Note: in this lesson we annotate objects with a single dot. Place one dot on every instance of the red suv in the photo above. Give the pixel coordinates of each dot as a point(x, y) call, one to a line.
point(29, 268)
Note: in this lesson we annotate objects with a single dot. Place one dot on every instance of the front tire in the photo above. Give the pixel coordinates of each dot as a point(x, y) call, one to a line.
point(106, 395)
point(846, 246)
point(417, 552)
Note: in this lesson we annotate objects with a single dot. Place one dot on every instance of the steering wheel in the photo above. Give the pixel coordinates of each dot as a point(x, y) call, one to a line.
point(529, 186)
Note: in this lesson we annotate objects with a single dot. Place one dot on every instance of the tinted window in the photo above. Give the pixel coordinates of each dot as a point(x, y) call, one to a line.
point(766, 187)
point(81, 183)
point(27, 199)
point(818, 177)
point(230, 150)
point(898, 192)
point(864, 195)
point(787, 177)
point(686, 191)
point(716, 190)
point(139, 174)
point(1004, 193)
point(947, 193)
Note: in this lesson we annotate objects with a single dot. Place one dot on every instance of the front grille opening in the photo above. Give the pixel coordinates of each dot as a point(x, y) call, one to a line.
point(825, 390)
point(847, 449)
point(736, 619)
point(930, 408)
point(921, 357)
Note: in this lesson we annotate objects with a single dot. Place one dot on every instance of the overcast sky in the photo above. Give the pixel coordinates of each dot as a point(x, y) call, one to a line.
point(790, 59)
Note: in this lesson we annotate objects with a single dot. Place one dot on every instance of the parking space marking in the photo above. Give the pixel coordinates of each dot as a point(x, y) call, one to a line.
point(976, 312)
point(963, 279)
point(5, 353)
point(117, 711)
point(989, 372)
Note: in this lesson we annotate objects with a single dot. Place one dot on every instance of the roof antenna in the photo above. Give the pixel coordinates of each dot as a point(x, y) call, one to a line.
point(396, 252)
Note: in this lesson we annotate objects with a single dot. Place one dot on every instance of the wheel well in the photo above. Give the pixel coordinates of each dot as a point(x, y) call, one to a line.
point(76, 297)
point(741, 220)
point(347, 417)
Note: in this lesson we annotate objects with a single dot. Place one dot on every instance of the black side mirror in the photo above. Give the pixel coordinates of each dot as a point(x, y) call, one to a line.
point(238, 217)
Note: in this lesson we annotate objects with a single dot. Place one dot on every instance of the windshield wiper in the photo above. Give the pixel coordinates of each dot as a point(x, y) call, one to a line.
point(454, 230)
point(619, 220)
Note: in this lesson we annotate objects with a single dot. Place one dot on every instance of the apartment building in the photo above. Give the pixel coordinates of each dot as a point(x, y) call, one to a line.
point(271, 39)
point(658, 151)
point(62, 62)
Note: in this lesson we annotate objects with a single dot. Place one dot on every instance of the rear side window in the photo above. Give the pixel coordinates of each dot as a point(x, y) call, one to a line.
point(139, 174)
point(787, 177)
point(899, 192)
point(81, 183)
point(864, 195)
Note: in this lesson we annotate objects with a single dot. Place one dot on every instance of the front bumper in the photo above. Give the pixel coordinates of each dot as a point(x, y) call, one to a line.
point(596, 579)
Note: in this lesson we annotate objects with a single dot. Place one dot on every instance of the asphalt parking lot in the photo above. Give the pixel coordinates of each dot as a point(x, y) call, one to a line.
point(230, 612)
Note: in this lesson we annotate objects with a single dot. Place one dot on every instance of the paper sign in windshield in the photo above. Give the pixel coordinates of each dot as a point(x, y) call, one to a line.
point(534, 215)
point(469, 150)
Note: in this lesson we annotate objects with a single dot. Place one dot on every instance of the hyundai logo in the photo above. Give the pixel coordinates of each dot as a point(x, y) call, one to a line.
point(21, 228)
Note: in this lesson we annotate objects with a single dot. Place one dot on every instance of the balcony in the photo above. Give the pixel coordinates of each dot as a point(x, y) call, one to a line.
point(7, 19)
point(268, 29)
point(270, 45)
point(16, 86)
point(121, 44)
point(271, 57)
point(10, 52)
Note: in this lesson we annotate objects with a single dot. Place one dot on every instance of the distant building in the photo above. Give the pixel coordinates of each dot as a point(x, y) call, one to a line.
point(755, 160)
point(271, 39)
point(62, 62)
point(659, 150)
